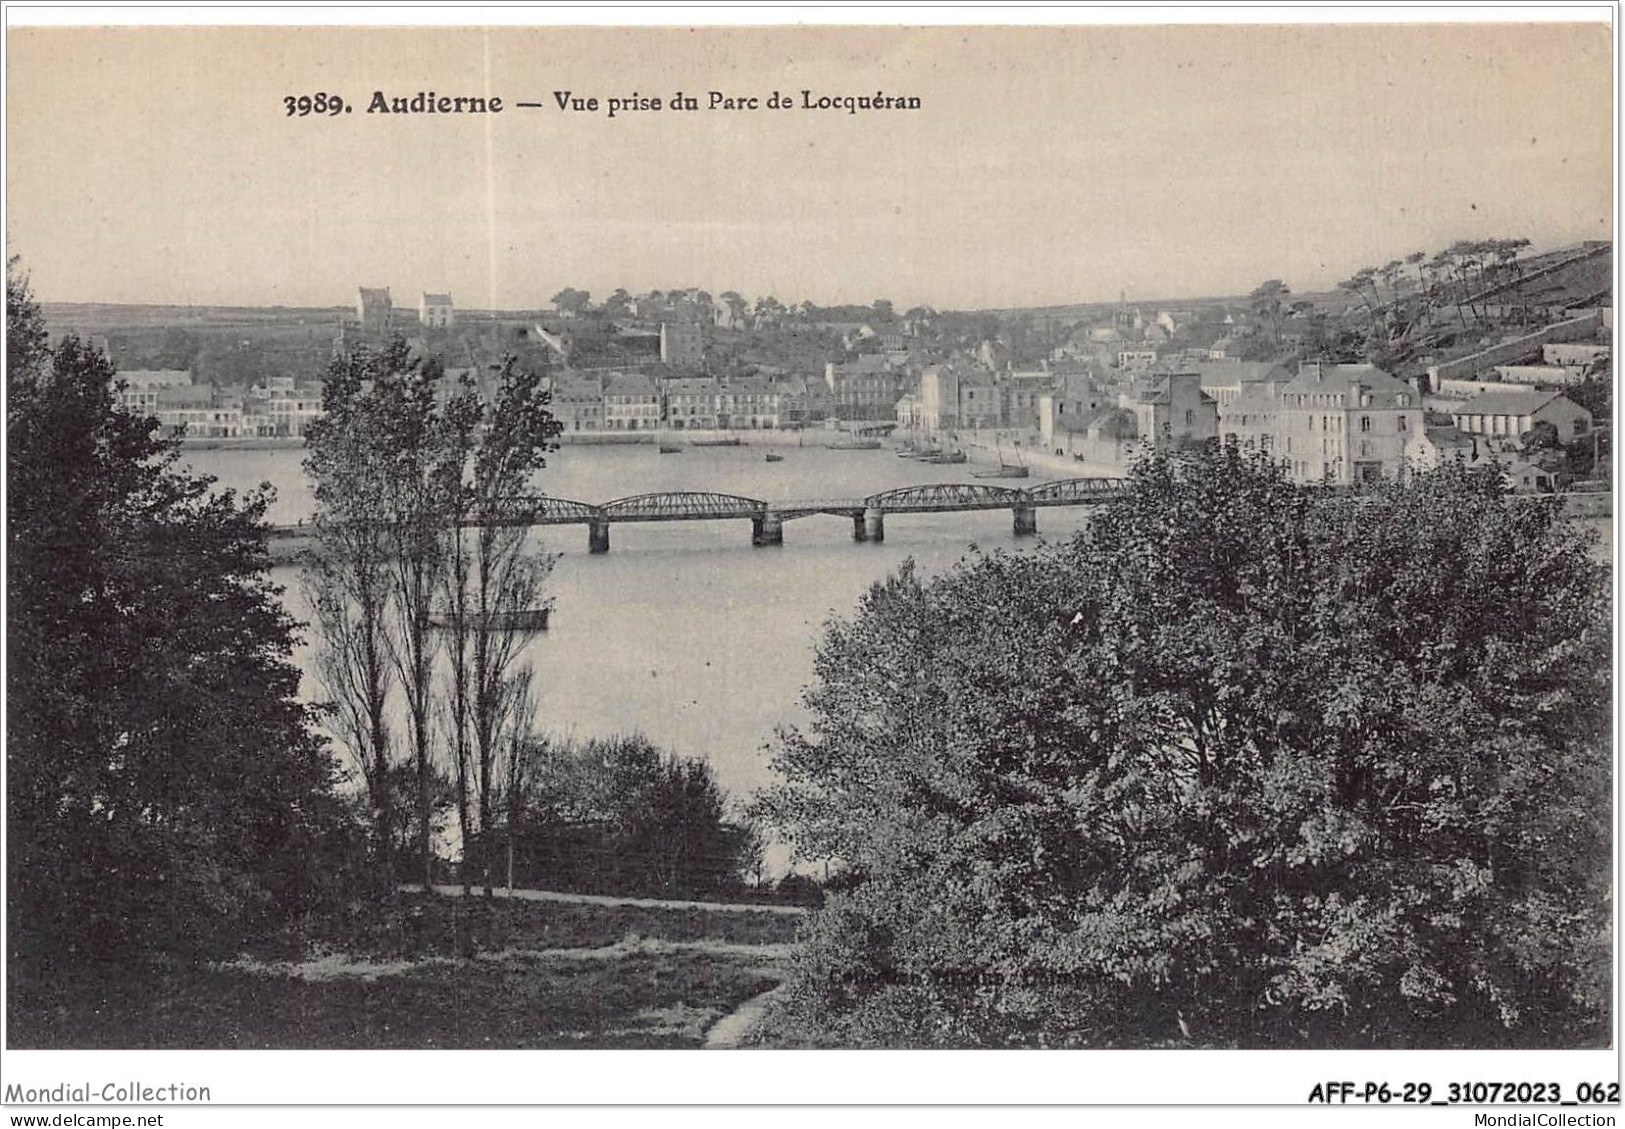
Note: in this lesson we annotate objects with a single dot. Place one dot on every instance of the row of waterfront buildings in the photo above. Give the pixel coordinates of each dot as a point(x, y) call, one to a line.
point(280, 406)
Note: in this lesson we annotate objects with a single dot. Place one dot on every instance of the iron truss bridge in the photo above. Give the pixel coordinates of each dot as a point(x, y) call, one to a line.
point(867, 513)
point(935, 498)
point(767, 519)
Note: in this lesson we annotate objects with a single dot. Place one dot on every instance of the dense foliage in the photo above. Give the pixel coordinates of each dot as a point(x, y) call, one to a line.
point(1245, 764)
point(164, 790)
point(618, 815)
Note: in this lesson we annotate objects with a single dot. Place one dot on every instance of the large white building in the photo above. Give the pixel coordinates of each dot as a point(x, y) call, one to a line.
point(1331, 424)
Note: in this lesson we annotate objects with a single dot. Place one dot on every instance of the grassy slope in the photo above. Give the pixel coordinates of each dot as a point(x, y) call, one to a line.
point(399, 983)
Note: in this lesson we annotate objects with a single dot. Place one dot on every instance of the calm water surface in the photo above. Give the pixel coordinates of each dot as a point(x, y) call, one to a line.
point(684, 630)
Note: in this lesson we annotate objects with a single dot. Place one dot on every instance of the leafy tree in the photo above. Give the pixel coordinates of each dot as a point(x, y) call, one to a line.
point(1249, 764)
point(619, 815)
point(517, 430)
point(571, 301)
point(1267, 301)
point(737, 305)
point(390, 463)
point(347, 582)
point(165, 789)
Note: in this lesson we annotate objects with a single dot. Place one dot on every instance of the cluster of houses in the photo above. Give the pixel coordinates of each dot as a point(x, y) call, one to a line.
point(375, 311)
point(280, 407)
point(593, 402)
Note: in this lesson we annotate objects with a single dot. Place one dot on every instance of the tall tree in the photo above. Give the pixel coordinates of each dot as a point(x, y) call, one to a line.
point(165, 789)
point(347, 580)
point(1267, 301)
point(461, 419)
point(508, 575)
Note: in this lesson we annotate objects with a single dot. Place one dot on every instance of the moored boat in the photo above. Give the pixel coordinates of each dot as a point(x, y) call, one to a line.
point(527, 619)
point(1017, 469)
point(945, 458)
point(772, 458)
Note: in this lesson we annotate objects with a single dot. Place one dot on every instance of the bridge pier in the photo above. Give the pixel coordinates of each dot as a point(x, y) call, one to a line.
point(598, 536)
point(859, 532)
point(767, 529)
point(1026, 520)
point(874, 524)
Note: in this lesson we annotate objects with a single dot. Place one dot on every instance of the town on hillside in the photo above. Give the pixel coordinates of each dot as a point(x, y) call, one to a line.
point(1477, 352)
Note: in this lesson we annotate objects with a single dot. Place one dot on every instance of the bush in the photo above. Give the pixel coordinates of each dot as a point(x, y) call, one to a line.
point(1245, 765)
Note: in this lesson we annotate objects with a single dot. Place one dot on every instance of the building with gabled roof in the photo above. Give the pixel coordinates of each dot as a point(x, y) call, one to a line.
point(372, 309)
point(631, 403)
point(1511, 414)
point(435, 311)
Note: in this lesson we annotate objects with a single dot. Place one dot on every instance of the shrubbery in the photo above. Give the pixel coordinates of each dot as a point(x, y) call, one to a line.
point(1245, 764)
point(619, 816)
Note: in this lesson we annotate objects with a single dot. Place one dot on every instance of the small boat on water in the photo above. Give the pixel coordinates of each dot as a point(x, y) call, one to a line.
point(772, 458)
point(671, 449)
point(725, 441)
point(945, 458)
point(528, 619)
point(1017, 469)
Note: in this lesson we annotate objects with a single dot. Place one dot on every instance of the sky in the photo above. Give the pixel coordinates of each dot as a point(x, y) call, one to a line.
point(1046, 165)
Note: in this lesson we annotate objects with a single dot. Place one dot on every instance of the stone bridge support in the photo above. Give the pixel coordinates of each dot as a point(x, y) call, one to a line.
point(1026, 520)
point(598, 535)
point(767, 529)
point(874, 524)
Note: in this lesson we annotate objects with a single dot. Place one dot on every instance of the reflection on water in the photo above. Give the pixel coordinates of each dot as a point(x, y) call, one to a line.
point(684, 630)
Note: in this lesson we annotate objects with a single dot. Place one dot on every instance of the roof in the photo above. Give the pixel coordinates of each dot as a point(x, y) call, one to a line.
point(1447, 437)
point(1506, 403)
point(186, 395)
point(864, 363)
point(371, 294)
point(1315, 378)
point(1115, 423)
point(578, 388)
point(690, 386)
point(1254, 398)
point(436, 299)
point(1226, 373)
point(629, 384)
point(155, 378)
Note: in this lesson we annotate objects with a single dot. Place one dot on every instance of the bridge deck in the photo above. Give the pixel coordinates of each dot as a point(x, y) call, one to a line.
point(945, 497)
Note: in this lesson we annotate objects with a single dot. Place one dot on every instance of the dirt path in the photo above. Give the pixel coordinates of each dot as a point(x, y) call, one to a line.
point(727, 1032)
point(608, 900)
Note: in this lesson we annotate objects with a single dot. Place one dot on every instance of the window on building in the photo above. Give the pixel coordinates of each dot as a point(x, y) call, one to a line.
point(1403, 426)
point(1365, 423)
point(1190, 417)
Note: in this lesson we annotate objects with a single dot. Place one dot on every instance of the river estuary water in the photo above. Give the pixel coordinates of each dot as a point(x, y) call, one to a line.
point(683, 630)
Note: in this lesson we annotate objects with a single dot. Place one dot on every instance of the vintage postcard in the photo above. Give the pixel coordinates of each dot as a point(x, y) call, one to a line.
point(1093, 536)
